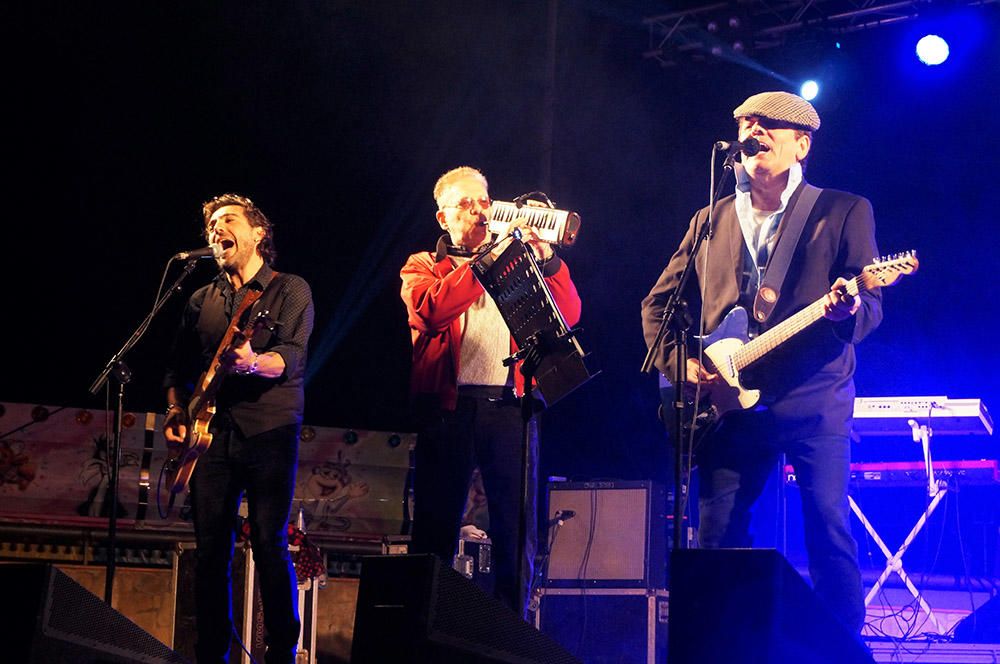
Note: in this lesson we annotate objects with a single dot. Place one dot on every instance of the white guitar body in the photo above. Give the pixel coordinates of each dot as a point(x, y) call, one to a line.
point(729, 349)
point(720, 346)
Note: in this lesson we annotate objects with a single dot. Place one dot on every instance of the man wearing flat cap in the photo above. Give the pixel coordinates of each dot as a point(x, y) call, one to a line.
point(806, 383)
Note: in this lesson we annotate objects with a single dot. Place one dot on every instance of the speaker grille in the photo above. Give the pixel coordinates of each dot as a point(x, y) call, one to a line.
point(74, 615)
point(615, 537)
point(412, 608)
point(466, 616)
point(751, 606)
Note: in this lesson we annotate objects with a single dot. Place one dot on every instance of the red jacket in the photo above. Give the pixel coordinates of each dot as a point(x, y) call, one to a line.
point(436, 294)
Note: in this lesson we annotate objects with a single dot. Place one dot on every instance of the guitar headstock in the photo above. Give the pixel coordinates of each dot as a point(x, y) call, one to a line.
point(887, 270)
point(261, 321)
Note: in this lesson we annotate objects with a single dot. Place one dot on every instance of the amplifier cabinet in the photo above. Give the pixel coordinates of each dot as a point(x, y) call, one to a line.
point(616, 537)
point(607, 625)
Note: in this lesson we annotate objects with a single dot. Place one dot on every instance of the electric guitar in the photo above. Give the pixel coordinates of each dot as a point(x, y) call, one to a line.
point(201, 406)
point(729, 350)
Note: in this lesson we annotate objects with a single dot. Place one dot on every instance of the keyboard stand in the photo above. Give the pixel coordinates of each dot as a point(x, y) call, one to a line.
point(936, 490)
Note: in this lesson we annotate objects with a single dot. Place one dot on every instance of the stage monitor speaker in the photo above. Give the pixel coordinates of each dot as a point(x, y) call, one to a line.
point(49, 618)
point(980, 626)
point(412, 608)
point(615, 539)
point(751, 606)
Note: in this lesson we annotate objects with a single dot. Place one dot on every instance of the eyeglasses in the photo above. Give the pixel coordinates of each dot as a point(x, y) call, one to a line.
point(748, 121)
point(467, 203)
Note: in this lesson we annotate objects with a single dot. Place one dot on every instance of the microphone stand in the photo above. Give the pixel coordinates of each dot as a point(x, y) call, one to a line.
point(675, 320)
point(548, 350)
point(123, 375)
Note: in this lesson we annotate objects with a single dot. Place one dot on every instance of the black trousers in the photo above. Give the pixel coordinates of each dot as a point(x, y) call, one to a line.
point(733, 469)
point(264, 467)
point(487, 431)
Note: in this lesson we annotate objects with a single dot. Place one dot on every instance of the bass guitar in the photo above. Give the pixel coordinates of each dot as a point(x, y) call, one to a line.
point(729, 350)
point(201, 406)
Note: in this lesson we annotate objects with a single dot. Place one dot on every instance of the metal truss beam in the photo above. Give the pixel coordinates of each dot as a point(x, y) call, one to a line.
point(735, 28)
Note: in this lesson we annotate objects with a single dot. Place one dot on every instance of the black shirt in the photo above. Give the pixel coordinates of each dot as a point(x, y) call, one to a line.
point(253, 403)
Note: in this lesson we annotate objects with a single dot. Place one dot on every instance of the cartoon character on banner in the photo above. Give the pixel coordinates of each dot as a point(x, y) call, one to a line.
point(96, 473)
point(15, 466)
point(328, 489)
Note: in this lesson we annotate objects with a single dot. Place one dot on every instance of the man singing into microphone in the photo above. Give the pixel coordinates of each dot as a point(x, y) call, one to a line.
point(807, 384)
point(465, 399)
point(255, 430)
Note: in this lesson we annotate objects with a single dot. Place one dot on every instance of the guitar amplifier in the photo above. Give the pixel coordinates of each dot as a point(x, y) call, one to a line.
point(616, 536)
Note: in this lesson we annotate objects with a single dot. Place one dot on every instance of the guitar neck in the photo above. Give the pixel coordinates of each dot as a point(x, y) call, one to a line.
point(786, 329)
point(233, 337)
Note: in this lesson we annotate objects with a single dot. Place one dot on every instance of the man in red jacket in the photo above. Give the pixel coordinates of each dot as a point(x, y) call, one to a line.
point(465, 399)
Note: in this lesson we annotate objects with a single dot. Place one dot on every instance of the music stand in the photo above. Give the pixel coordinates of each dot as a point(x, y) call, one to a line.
point(552, 355)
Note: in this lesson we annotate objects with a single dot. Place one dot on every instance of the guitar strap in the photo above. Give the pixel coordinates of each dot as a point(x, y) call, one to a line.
point(792, 223)
point(267, 297)
point(213, 311)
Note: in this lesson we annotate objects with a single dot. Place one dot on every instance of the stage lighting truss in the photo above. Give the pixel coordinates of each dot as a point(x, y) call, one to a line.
point(731, 30)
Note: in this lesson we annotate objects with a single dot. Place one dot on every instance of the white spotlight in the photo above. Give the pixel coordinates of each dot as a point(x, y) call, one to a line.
point(932, 50)
point(809, 90)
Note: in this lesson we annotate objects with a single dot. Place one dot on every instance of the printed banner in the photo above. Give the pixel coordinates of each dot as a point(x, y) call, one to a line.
point(54, 470)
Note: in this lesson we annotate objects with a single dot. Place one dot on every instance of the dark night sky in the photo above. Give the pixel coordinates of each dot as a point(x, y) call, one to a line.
point(337, 117)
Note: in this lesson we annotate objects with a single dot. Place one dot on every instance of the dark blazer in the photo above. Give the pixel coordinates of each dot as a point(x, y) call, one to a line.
point(807, 383)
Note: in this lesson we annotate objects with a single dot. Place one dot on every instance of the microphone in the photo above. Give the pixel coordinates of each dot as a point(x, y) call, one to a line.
point(213, 250)
point(749, 147)
point(523, 198)
point(561, 516)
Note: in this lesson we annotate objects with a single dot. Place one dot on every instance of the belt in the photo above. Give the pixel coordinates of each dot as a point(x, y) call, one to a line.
point(496, 393)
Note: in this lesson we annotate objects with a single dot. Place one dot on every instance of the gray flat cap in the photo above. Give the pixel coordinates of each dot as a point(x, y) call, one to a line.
point(780, 106)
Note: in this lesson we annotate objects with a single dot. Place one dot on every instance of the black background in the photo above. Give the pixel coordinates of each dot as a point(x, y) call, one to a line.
point(337, 118)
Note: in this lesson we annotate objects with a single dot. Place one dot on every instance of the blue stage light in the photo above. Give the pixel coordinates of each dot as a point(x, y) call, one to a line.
point(809, 90)
point(932, 50)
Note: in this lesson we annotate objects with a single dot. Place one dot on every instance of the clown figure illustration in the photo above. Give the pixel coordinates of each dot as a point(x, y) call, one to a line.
point(327, 490)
